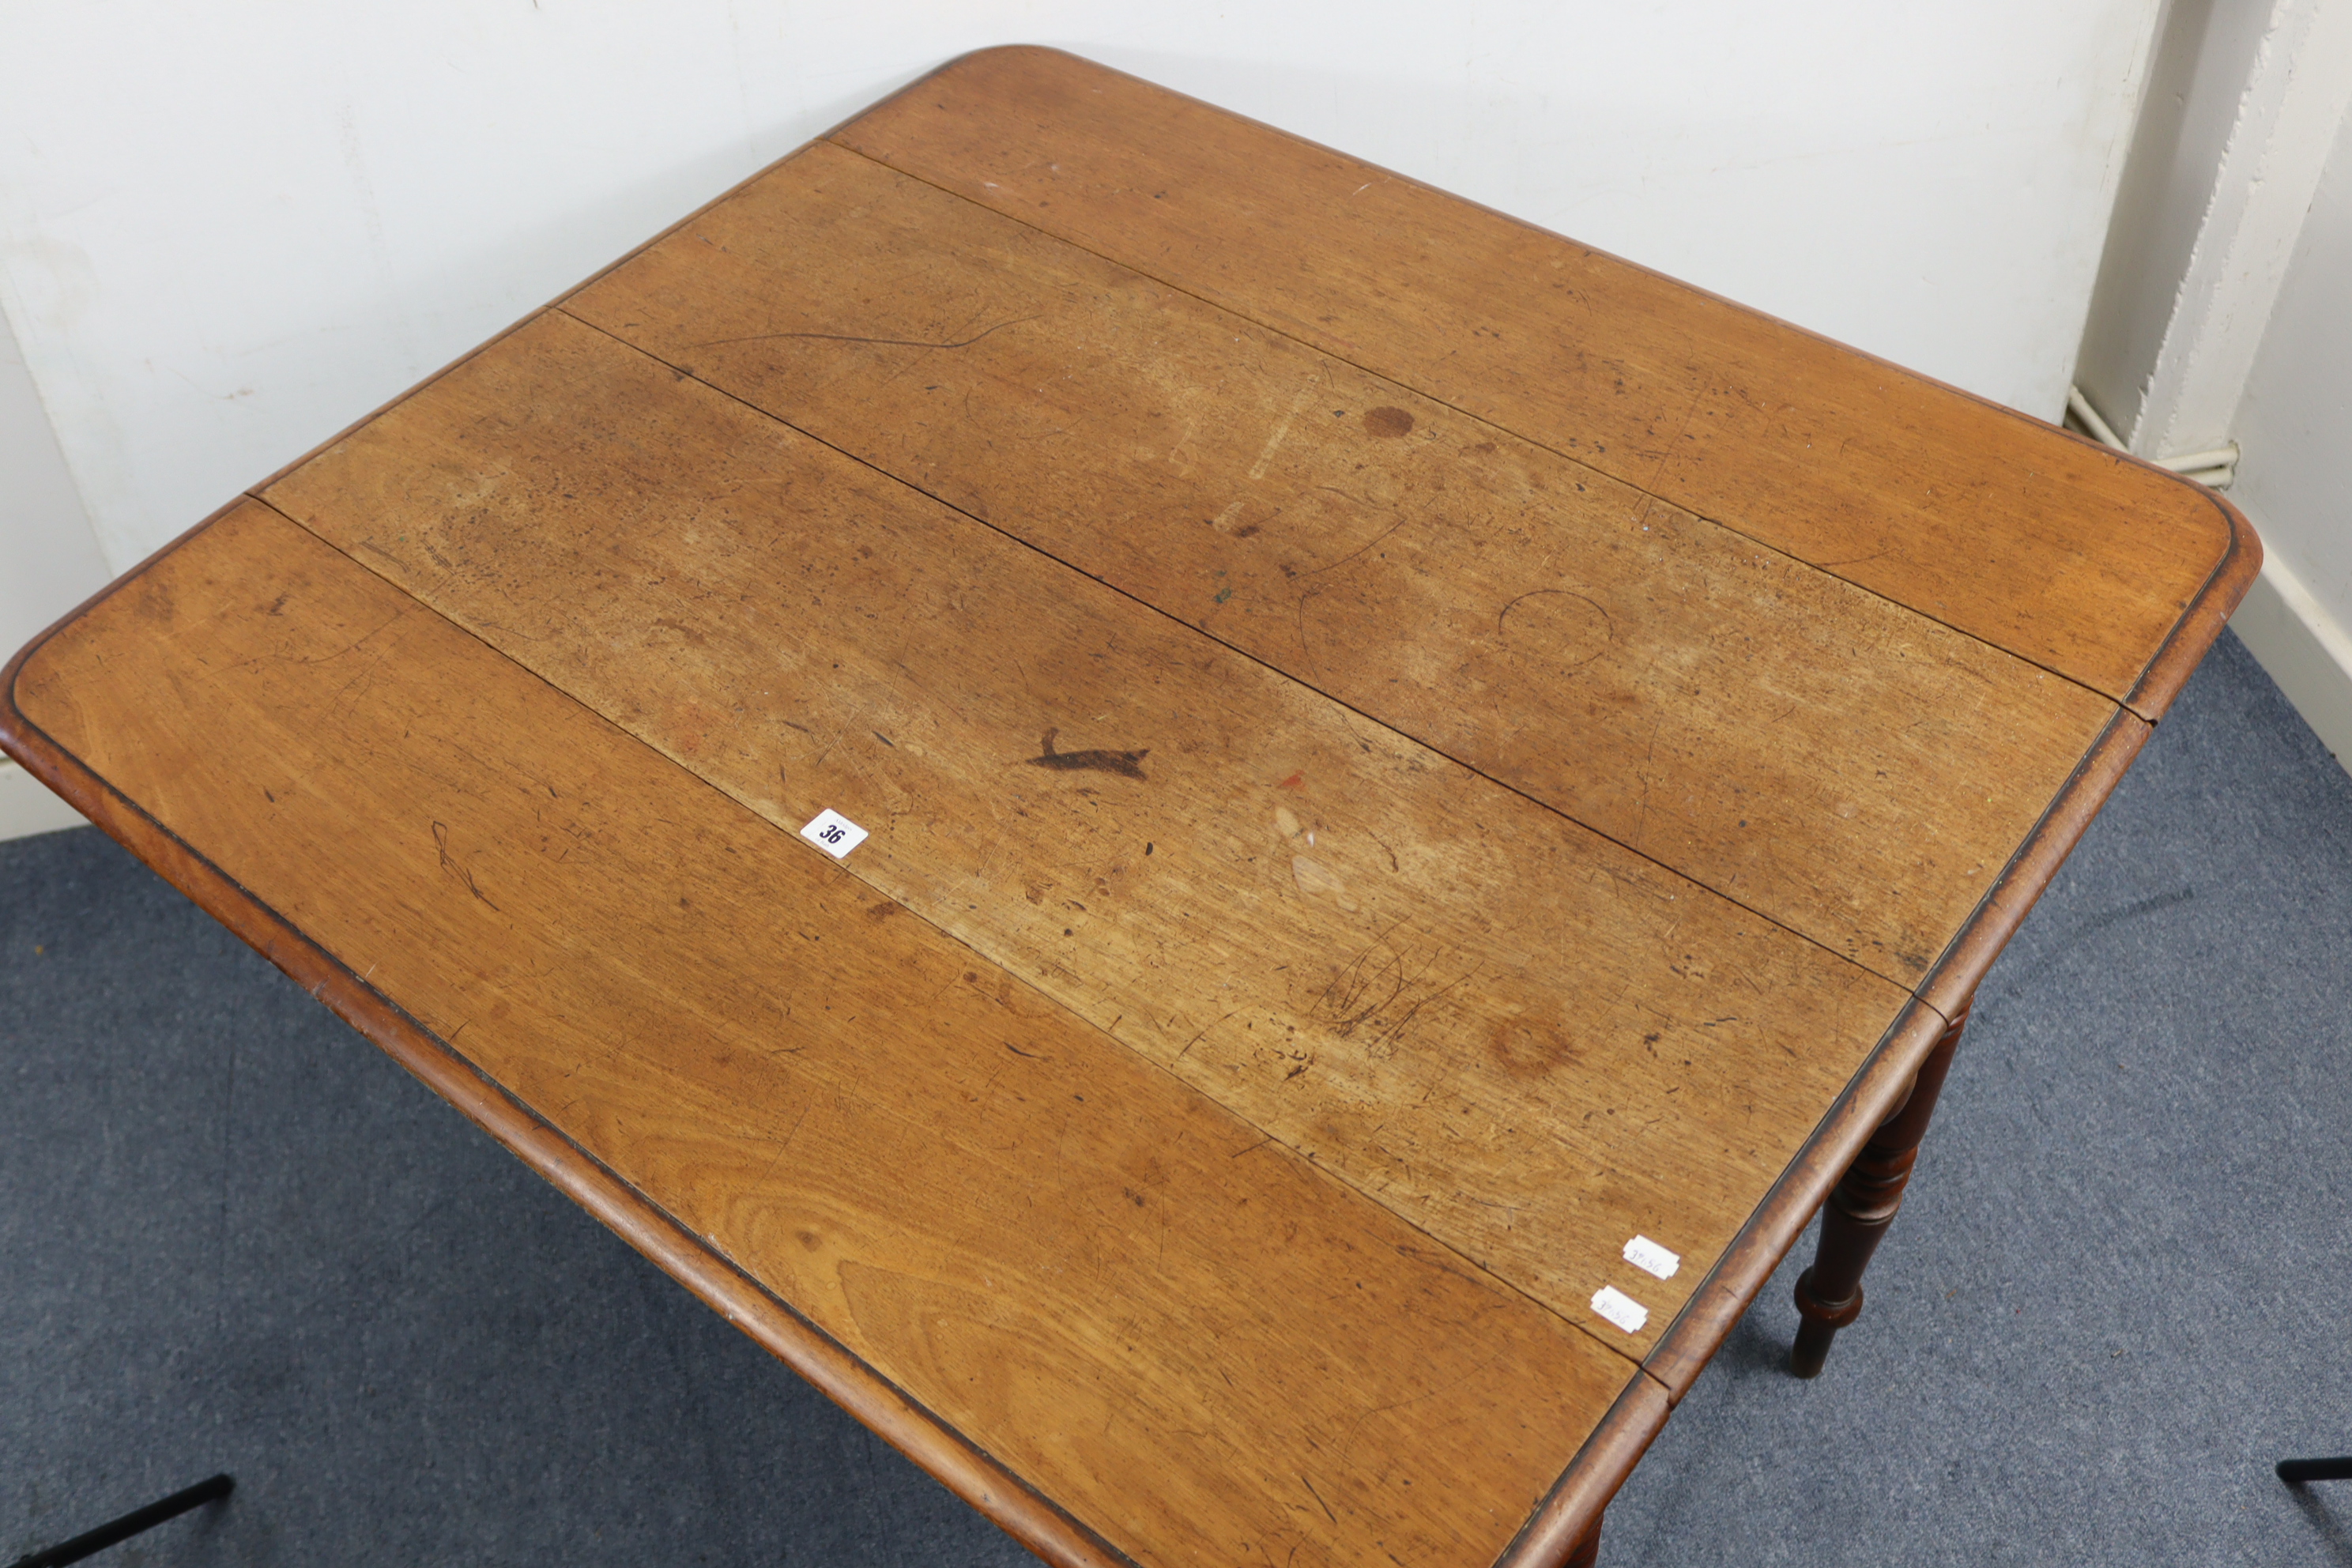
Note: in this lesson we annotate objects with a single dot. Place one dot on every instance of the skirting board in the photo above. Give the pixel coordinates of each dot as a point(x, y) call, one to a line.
point(2303, 648)
point(27, 808)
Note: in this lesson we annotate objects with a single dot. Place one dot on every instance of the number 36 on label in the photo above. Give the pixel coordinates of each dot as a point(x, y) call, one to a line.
point(834, 832)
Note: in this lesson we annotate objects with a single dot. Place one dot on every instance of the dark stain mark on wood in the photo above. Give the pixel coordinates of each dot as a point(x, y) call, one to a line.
point(449, 863)
point(1127, 764)
point(1390, 423)
point(1529, 1047)
point(1017, 1051)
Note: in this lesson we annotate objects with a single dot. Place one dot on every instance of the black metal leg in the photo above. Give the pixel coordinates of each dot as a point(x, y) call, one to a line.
point(128, 1525)
point(2298, 1472)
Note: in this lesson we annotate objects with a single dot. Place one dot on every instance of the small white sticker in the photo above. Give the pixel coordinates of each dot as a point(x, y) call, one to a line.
point(1620, 1309)
point(834, 832)
point(1651, 1259)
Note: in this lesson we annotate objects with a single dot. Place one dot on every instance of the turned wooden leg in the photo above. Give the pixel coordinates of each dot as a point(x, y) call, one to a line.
point(1860, 1209)
point(1587, 1551)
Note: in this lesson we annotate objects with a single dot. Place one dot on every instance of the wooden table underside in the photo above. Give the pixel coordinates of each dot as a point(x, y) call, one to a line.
point(1401, 752)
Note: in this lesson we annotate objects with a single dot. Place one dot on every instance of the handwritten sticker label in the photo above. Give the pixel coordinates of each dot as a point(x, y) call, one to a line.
point(1651, 1259)
point(1620, 1309)
point(834, 832)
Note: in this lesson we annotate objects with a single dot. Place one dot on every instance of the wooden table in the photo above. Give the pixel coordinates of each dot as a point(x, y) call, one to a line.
point(1401, 756)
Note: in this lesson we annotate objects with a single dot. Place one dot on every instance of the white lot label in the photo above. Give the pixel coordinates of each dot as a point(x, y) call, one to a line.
point(1651, 1259)
point(834, 832)
point(1620, 1309)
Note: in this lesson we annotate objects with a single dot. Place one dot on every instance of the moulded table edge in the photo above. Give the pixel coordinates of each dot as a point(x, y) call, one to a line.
point(965, 1468)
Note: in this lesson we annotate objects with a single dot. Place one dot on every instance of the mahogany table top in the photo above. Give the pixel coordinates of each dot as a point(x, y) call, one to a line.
point(1400, 755)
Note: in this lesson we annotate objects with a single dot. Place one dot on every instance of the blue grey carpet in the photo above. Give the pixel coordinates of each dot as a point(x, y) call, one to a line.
point(237, 1237)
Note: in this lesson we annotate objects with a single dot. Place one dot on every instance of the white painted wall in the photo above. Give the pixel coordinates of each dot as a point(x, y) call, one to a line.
point(227, 230)
point(2223, 311)
point(2298, 86)
point(50, 562)
point(2295, 477)
point(2195, 98)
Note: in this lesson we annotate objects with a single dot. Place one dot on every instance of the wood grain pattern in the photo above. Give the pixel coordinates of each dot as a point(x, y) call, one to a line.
point(1530, 1042)
point(2184, 648)
point(1566, 1529)
point(1030, 1518)
point(2053, 548)
point(1777, 734)
point(1192, 1340)
point(1715, 1309)
point(1718, 1303)
point(2029, 870)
